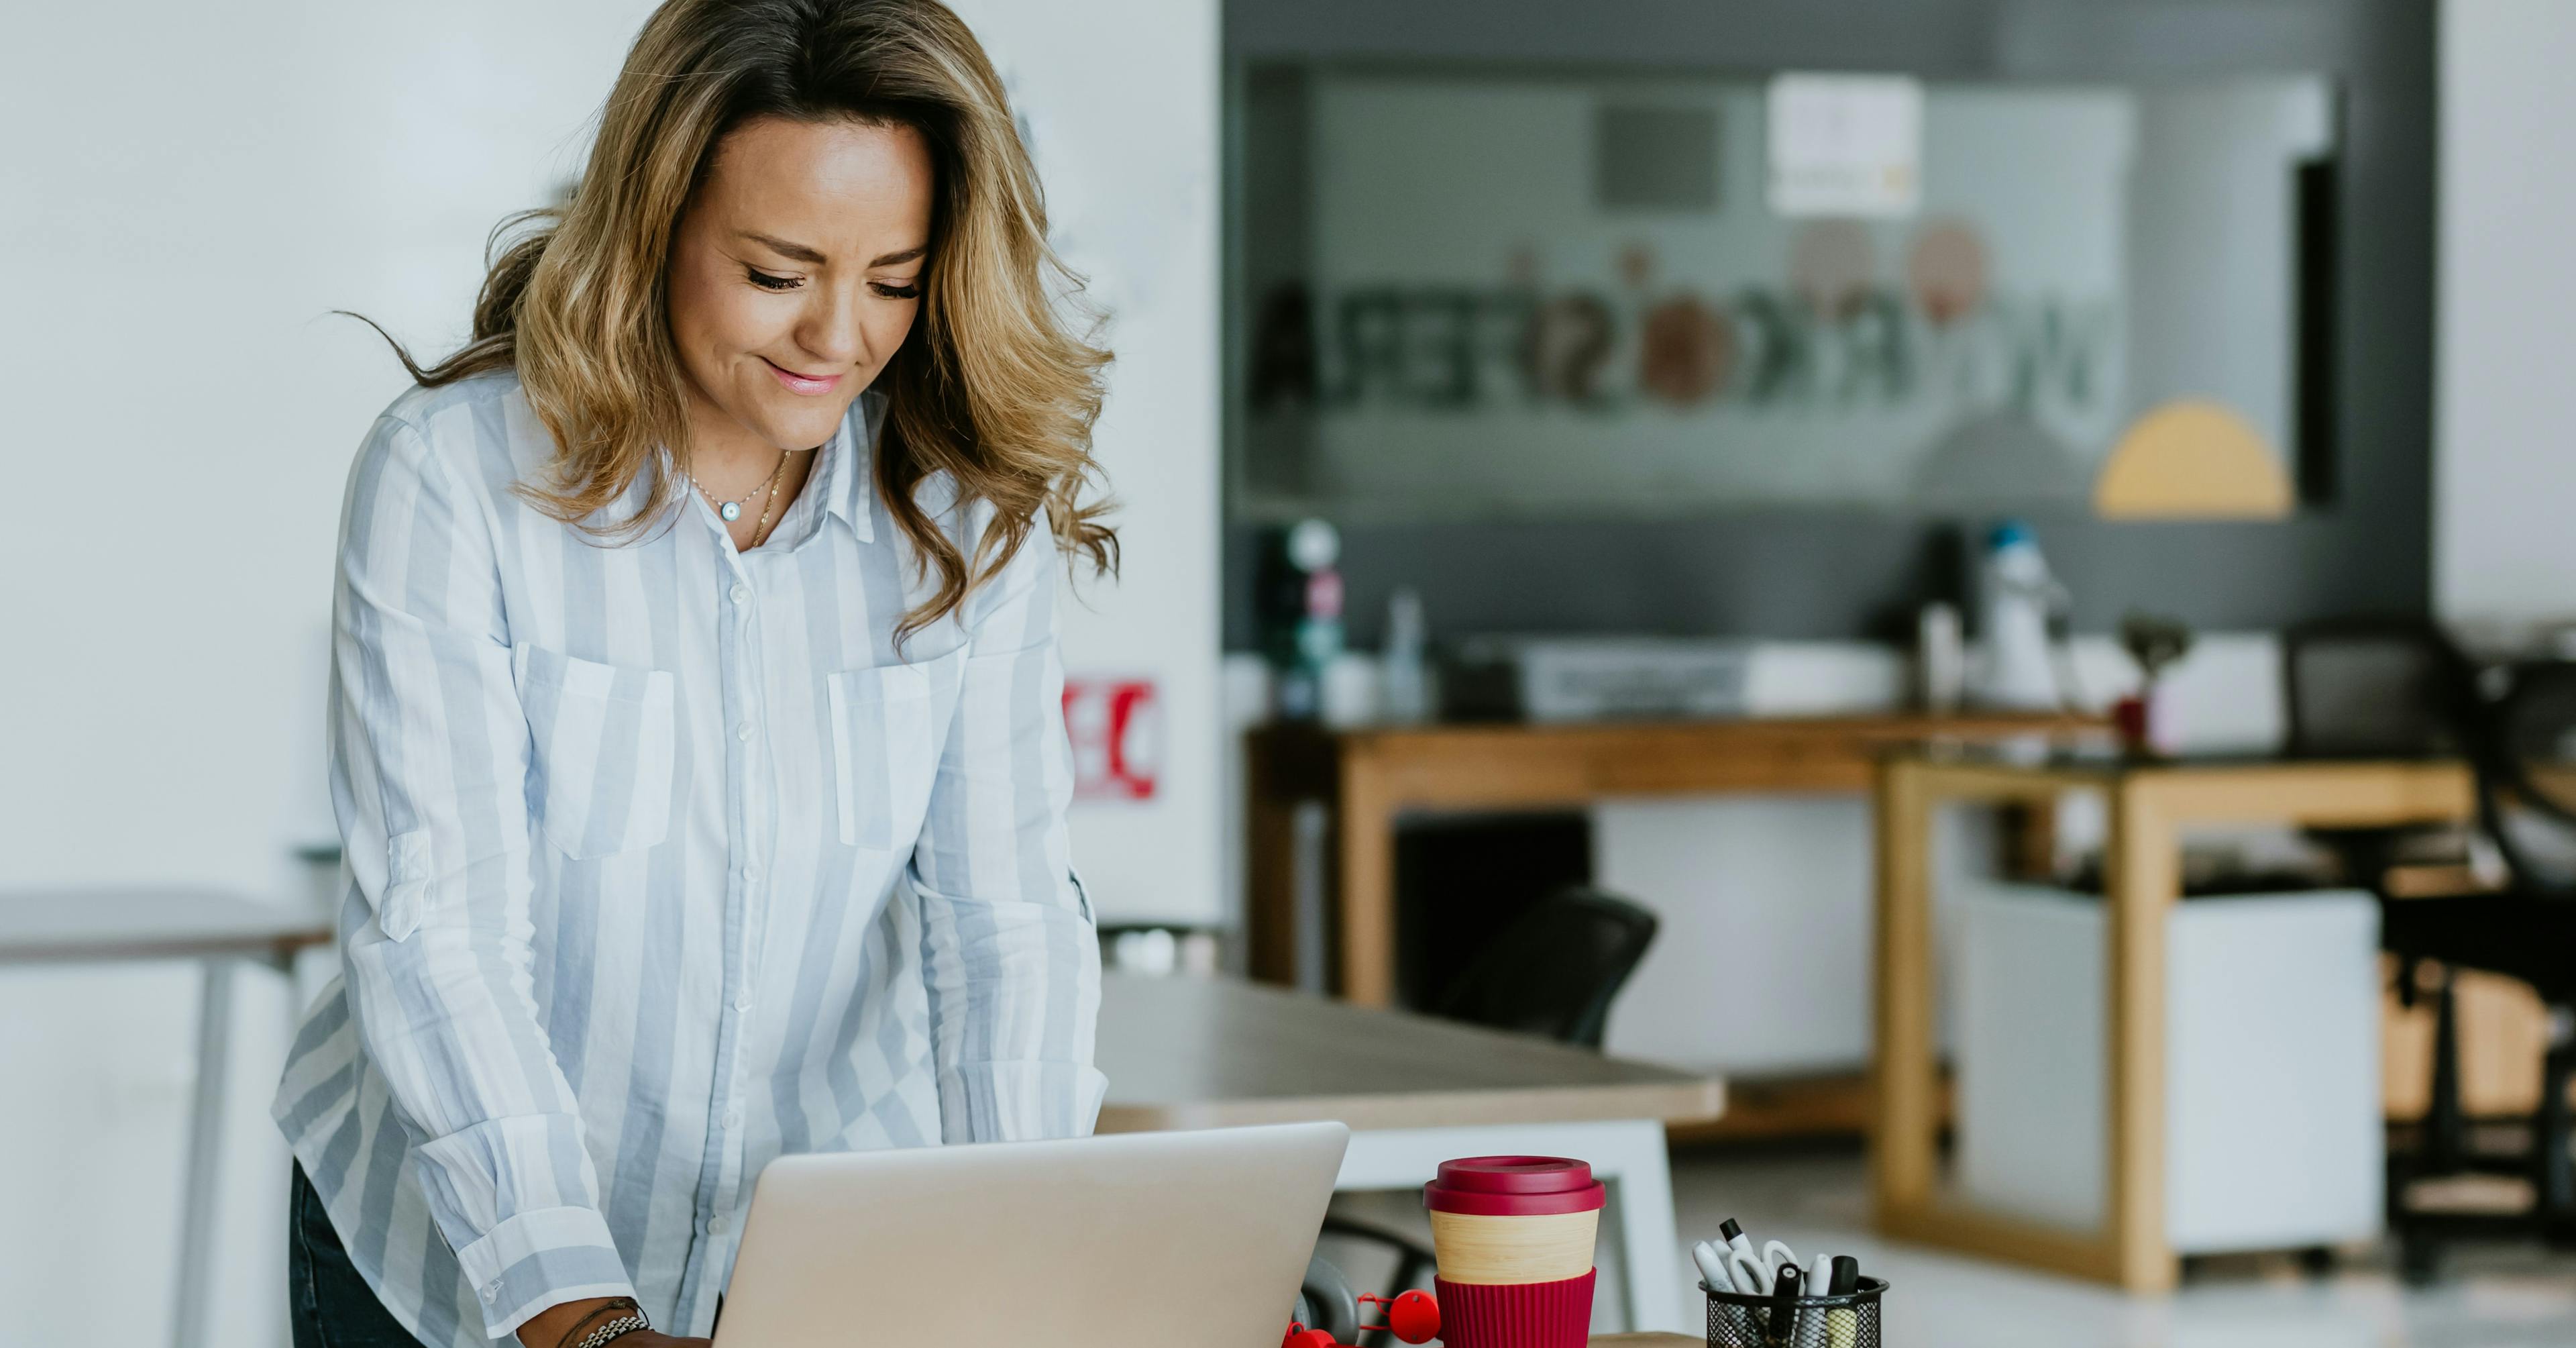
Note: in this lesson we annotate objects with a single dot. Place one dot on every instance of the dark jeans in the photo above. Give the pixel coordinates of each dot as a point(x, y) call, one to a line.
point(329, 1305)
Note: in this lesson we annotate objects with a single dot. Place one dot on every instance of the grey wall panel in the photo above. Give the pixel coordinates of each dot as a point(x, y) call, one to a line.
point(1810, 573)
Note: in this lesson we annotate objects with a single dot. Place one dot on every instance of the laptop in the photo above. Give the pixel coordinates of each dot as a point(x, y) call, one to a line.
point(1140, 1240)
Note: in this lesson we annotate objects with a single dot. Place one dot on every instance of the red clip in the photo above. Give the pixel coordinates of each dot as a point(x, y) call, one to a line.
point(1411, 1316)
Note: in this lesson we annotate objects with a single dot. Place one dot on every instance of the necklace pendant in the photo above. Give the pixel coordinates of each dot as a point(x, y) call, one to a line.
point(731, 511)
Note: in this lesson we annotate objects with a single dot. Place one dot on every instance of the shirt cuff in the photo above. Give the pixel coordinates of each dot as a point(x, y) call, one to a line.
point(542, 1258)
point(1019, 1101)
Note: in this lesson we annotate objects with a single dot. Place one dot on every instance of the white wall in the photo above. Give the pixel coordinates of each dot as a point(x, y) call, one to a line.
point(2505, 429)
point(1121, 104)
point(179, 210)
point(180, 219)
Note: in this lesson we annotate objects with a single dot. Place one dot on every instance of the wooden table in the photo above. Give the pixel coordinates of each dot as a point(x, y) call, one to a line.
point(1366, 778)
point(2149, 804)
point(1204, 1053)
point(218, 931)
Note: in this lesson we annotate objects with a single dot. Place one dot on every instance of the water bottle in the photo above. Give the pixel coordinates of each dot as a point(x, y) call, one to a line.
point(1307, 626)
point(2015, 596)
point(1405, 676)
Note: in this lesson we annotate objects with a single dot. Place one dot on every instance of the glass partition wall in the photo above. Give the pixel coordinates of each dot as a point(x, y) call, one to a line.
point(1543, 294)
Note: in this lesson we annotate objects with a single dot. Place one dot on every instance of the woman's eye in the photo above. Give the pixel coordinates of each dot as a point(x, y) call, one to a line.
point(766, 281)
point(895, 292)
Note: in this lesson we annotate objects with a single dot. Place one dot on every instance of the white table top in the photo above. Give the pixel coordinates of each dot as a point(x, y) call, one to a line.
point(1219, 1052)
point(69, 925)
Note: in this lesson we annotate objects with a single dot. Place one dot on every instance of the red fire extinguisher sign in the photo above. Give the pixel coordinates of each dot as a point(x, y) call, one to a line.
point(1116, 728)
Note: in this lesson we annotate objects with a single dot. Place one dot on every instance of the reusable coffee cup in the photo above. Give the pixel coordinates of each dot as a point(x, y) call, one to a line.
point(1514, 1237)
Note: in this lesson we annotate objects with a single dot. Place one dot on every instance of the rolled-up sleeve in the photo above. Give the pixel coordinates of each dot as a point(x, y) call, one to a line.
point(1009, 947)
point(429, 763)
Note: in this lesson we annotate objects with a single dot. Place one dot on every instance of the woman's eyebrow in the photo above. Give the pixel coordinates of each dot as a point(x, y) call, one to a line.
point(783, 248)
point(802, 253)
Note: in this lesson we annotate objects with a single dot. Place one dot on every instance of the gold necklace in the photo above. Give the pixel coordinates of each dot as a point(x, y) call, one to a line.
point(732, 510)
point(760, 531)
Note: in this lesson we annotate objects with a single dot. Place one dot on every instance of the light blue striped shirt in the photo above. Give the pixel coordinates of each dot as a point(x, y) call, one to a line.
point(663, 860)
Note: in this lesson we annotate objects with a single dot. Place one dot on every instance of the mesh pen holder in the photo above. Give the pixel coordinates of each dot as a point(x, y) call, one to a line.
point(1743, 1320)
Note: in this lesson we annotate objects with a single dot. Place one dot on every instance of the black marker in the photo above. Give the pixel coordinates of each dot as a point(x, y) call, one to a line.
point(1842, 1324)
point(1783, 1327)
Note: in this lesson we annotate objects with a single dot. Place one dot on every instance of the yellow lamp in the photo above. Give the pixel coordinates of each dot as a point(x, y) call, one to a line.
point(2192, 460)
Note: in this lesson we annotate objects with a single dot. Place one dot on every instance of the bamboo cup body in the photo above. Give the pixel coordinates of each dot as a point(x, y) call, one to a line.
point(1544, 1248)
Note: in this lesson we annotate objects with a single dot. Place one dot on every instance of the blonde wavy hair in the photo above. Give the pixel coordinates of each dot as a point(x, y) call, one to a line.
point(991, 387)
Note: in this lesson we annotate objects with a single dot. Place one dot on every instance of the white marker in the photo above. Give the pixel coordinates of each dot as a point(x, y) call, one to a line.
point(1712, 1267)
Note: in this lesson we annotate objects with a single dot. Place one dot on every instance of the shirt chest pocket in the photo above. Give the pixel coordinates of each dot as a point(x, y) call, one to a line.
point(888, 727)
point(602, 742)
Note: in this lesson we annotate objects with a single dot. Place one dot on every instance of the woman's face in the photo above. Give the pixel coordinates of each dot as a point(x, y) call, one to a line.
point(795, 275)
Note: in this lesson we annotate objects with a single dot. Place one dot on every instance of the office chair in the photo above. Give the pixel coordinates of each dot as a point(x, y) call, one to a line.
point(2374, 688)
point(2361, 687)
point(1554, 970)
point(2524, 750)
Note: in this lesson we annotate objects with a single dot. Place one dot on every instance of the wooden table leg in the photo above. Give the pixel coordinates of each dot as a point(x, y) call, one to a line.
point(1364, 897)
point(1901, 1105)
point(2143, 878)
point(1270, 867)
point(2030, 840)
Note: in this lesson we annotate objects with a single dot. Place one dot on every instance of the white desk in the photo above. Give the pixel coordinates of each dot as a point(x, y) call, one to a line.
point(214, 929)
point(1213, 1052)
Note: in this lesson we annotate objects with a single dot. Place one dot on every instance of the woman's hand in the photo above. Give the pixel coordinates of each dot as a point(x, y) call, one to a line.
point(548, 1328)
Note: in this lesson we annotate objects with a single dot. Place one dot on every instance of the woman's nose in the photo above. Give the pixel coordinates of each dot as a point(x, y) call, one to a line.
point(833, 330)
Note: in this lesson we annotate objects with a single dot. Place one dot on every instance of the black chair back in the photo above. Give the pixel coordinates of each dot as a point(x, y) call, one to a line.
point(1555, 969)
point(2375, 688)
point(2527, 776)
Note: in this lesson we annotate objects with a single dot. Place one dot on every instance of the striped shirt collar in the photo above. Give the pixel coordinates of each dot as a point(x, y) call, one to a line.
point(843, 482)
point(846, 465)
point(843, 486)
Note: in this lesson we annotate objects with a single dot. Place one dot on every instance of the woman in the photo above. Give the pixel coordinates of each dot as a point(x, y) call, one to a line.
point(696, 739)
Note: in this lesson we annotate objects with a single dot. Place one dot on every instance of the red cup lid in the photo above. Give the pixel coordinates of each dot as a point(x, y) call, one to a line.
point(1514, 1186)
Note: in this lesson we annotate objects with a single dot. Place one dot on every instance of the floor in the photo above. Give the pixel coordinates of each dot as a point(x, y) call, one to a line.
point(2494, 1297)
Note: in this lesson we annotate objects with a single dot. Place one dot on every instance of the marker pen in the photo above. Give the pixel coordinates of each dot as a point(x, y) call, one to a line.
point(1735, 1238)
point(1842, 1325)
point(1712, 1267)
point(1783, 1327)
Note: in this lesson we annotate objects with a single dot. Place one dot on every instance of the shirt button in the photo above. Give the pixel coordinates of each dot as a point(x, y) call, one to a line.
point(716, 1224)
point(733, 1118)
point(742, 1003)
point(742, 594)
point(743, 732)
point(751, 870)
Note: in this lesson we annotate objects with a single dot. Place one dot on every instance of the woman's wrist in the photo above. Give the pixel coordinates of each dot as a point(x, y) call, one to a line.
point(562, 1325)
point(615, 1320)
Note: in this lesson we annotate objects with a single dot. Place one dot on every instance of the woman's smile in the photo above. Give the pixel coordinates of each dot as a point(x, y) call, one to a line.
point(811, 385)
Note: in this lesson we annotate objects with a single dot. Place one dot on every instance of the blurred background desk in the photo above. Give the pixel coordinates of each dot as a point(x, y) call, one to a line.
point(1366, 778)
point(2149, 804)
point(213, 929)
point(1211, 1053)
